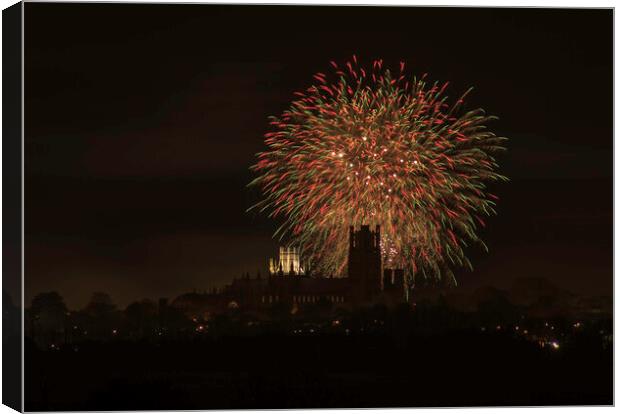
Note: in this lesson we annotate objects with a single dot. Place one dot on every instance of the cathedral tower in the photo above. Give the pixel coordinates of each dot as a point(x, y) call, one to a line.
point(365, 262)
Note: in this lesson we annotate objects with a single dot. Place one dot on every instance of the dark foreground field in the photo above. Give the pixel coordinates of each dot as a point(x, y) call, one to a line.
point(309, 370)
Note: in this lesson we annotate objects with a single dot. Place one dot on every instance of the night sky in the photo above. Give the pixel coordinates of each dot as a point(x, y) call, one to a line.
point(142, 120)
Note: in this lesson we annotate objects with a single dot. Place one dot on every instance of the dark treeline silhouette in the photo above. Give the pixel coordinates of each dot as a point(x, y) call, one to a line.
point(430, 352)
point(49, 324)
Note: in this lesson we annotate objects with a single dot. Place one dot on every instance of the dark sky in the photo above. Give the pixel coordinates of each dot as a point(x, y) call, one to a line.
point(142, 120)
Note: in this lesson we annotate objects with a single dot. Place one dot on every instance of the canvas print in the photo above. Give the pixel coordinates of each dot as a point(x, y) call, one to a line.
point(271, 206)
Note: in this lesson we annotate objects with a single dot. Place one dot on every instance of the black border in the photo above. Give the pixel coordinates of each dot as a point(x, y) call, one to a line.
point(12, 211)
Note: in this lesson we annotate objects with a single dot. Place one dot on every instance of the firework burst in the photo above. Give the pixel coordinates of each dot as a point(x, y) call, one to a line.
point(368, 146)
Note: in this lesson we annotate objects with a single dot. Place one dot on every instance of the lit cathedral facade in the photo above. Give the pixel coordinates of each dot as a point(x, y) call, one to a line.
point(289, 262)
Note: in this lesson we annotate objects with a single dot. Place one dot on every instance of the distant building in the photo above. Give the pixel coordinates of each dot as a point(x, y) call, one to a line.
point(288, 285)
point(289, 262)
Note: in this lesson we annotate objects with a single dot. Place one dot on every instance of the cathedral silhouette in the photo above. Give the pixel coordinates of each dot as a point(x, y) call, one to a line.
point(292, 286)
